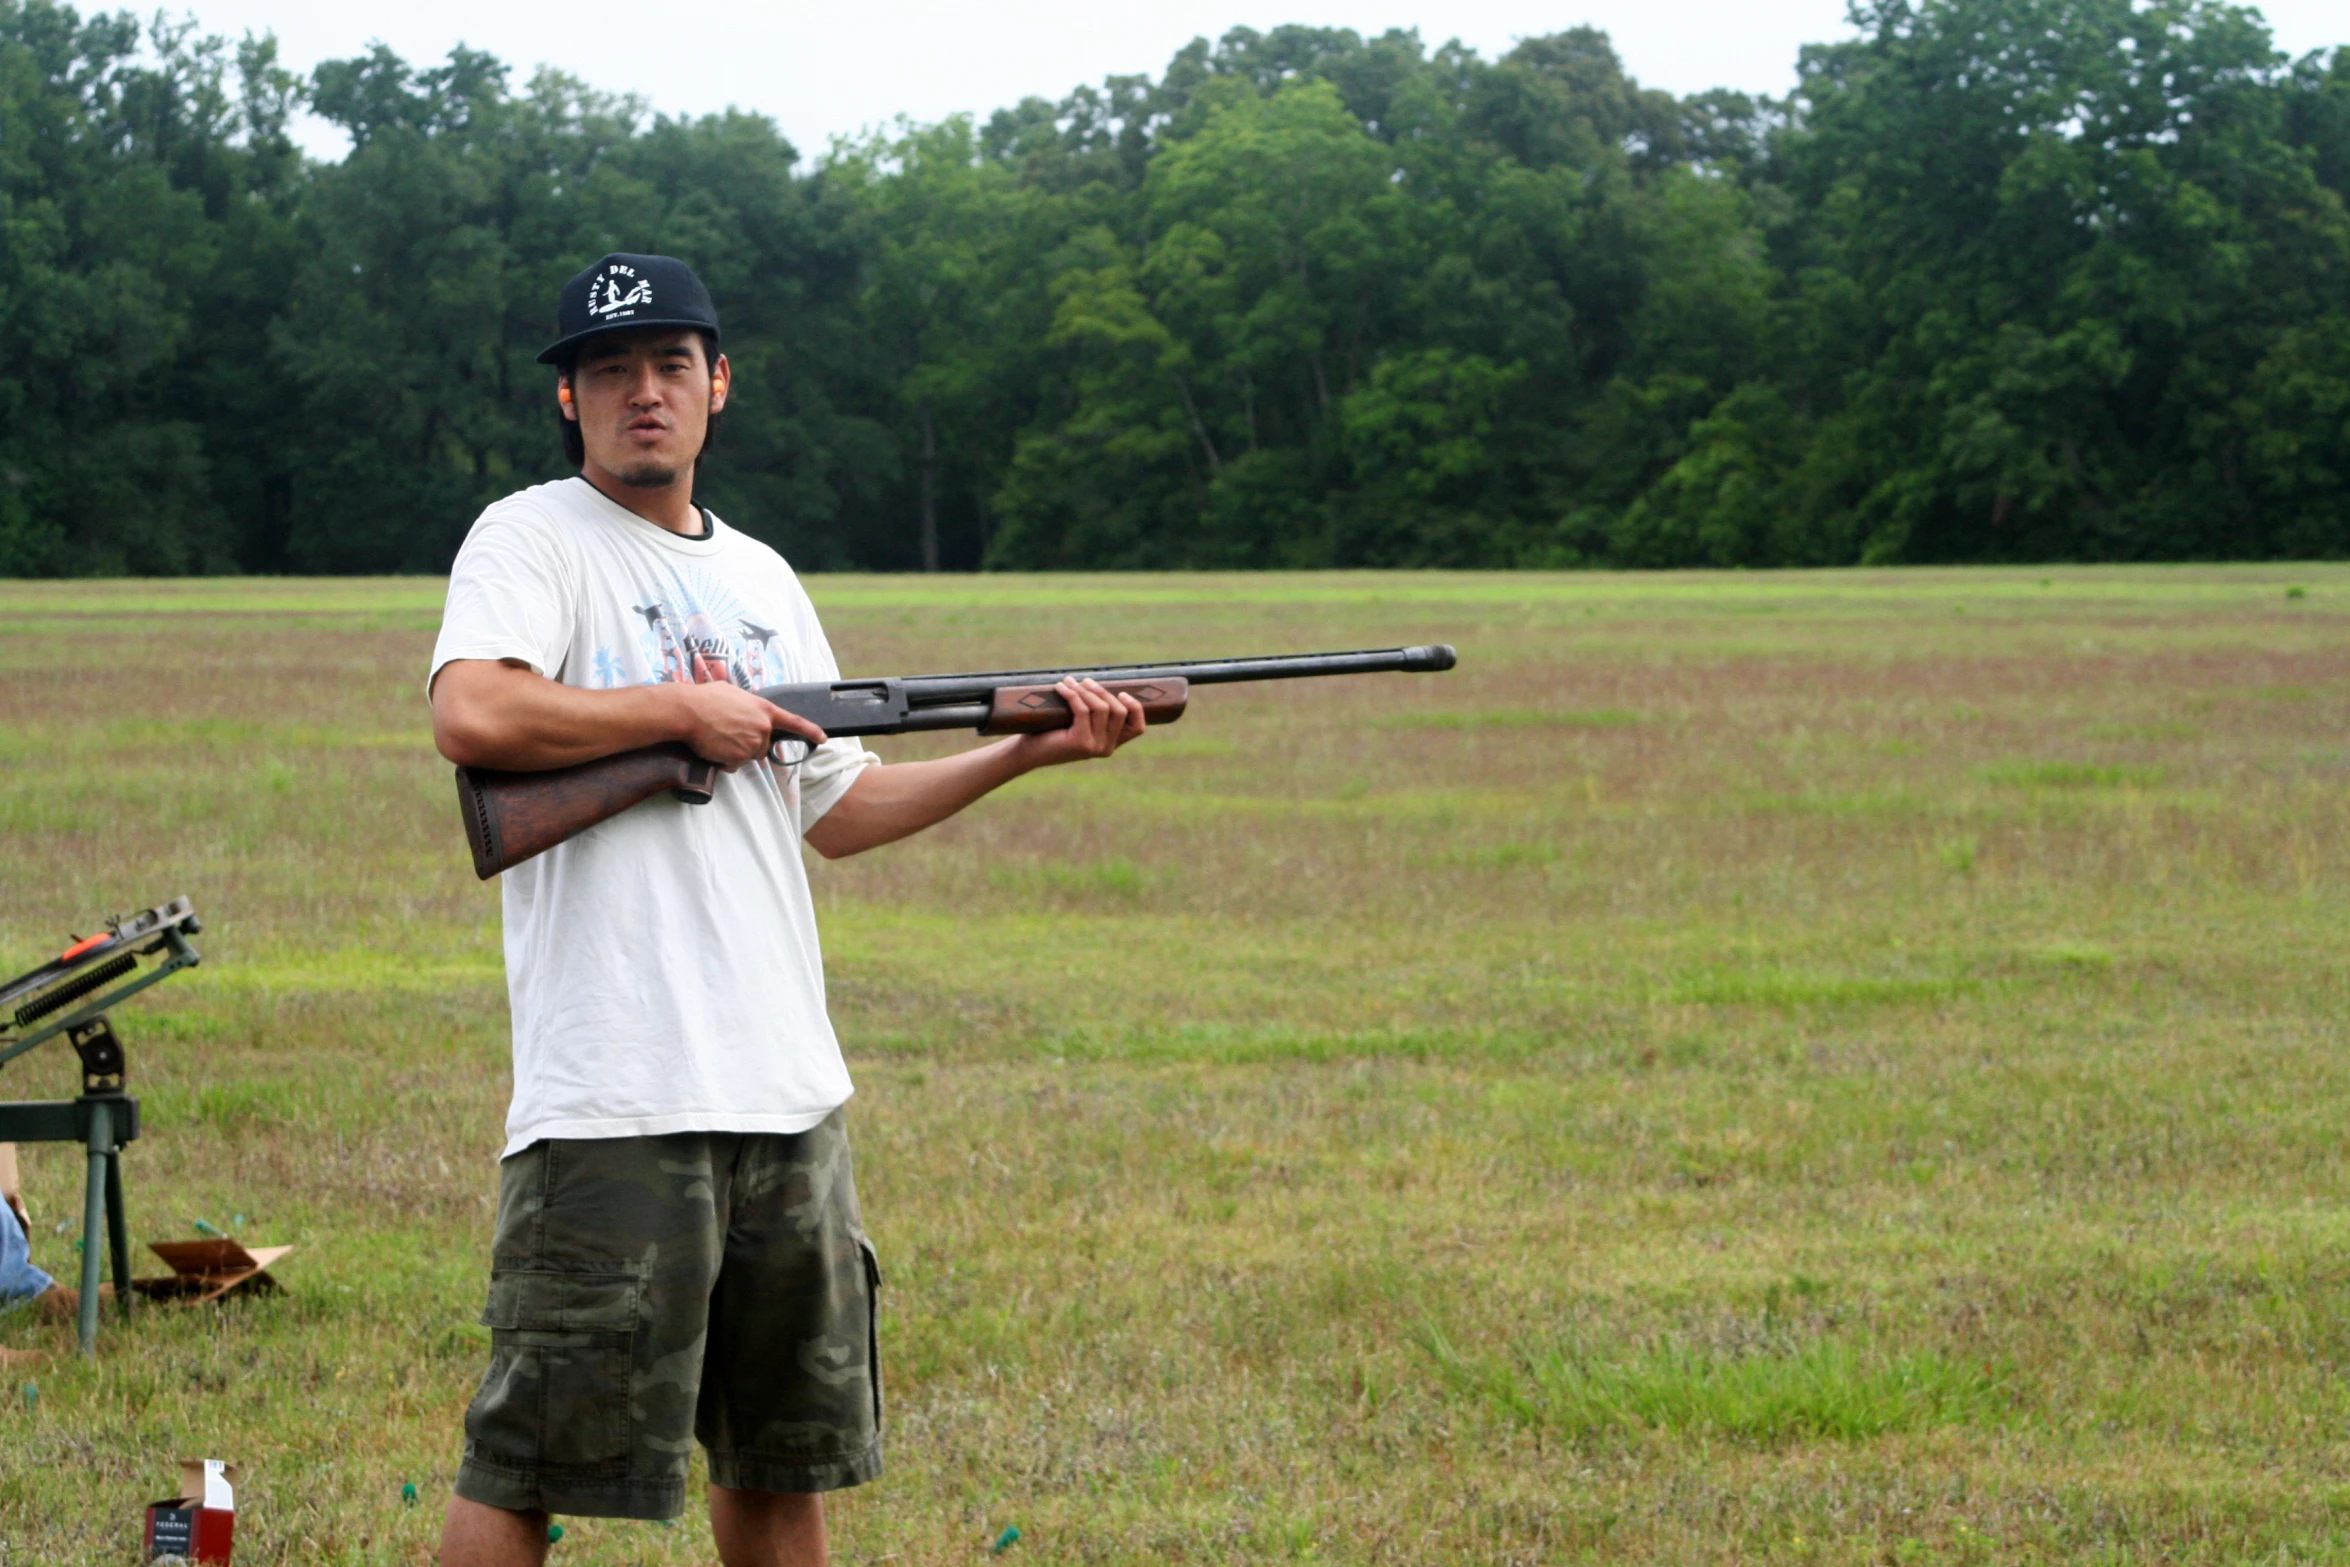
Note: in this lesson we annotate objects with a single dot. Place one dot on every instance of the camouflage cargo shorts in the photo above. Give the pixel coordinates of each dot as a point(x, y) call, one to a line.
point(649, 1291)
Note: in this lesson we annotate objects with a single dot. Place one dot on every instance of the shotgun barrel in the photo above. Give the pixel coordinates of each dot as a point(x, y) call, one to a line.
point(923, 702)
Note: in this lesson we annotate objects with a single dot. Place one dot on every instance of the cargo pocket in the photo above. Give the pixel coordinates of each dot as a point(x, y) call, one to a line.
point(872, 1323)
point(562, 1352)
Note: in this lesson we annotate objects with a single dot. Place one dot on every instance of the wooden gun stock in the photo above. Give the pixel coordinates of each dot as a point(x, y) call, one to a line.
point(511, 816)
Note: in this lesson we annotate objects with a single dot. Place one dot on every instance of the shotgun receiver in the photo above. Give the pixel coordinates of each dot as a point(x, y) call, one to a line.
point(511, 816)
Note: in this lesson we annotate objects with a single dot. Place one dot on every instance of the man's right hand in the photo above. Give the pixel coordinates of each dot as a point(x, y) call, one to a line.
point(505, 715)
point(730, 726)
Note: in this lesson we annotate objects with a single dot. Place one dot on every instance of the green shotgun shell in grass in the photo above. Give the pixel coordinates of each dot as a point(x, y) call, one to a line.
point(408, 1491)
point(1009, 1538)
point(554, 1533)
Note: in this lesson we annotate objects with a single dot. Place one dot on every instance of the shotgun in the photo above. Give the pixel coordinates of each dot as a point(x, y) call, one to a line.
point(511, 816)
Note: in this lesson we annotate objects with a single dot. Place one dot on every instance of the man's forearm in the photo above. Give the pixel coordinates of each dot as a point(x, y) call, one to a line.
point(885, 804)
point(505, 716)
point(563, 725)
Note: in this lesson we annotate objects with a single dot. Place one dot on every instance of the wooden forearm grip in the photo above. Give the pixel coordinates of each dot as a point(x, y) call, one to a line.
point(511, 816)
point(1023, 710)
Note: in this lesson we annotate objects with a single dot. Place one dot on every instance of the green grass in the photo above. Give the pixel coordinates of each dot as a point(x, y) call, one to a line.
point(1753, 1067)
point(1775, 987)
point(1086, 881)
point(1514, 718)
point(1825, 1389)
point(2072, 775)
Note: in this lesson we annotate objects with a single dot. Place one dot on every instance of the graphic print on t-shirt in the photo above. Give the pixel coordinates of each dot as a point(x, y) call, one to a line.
point(696, 631)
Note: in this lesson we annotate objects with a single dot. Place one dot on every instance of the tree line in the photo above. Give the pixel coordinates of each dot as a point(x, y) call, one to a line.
point(1998, 280)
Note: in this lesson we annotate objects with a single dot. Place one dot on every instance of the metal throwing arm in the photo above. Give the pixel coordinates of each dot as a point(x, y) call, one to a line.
point(90, 969)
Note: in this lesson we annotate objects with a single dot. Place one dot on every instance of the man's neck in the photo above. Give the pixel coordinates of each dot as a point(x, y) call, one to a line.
point(671, 506)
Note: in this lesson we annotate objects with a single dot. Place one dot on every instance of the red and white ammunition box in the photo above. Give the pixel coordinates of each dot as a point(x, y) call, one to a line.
point(199, 1524)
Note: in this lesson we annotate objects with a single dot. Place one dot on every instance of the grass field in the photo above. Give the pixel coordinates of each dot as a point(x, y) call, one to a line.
point(1794, 1068)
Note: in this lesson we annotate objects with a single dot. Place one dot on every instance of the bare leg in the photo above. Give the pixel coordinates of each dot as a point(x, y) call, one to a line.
point(475, 1535)
point(767, 1528)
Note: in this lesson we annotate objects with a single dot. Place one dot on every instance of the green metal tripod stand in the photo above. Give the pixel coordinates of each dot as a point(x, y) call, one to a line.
point(102, 1123)
point(102, 1118)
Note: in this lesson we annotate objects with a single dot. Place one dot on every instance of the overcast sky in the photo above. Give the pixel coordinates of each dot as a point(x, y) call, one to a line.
point(825, 70)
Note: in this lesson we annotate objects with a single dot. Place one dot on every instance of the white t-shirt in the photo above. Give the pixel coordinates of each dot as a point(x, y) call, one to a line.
point(662, 966)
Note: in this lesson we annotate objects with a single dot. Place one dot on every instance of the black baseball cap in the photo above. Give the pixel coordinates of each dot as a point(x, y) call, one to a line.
point(625, 290)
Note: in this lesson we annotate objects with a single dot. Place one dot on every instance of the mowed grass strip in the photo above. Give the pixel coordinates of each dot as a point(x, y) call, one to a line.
point(1806, 1067)
point(1826, 1389)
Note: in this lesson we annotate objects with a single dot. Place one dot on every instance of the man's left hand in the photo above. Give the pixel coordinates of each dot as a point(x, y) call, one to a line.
point(885, 804)
point(1102, 722)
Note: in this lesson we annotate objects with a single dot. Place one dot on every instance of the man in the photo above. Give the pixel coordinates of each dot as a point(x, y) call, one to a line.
point(679, 1253)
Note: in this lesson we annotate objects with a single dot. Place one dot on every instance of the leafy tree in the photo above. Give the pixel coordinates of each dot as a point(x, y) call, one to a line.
point(117, 165)
point(434, 251)
point(2074, 233)
point(1999, 280)
point(953, 324)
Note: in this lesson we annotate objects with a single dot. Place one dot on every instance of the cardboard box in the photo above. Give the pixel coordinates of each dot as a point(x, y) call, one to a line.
point(199, 1524)
point(210, 1270)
